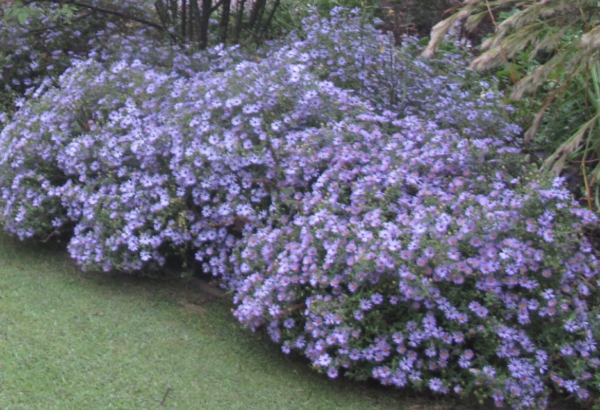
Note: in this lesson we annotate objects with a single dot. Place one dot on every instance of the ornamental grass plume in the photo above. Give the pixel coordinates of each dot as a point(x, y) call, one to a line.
point(559, 40)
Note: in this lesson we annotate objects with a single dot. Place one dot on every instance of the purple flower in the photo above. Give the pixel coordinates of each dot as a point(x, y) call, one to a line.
point(332, 373)
point(478, 309)
point(376, 298)
point(436, 385)
point(366, 304)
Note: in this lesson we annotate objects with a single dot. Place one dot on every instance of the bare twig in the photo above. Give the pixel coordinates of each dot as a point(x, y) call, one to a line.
point(290, 310)
point(238, 222)
point(112, 12)
point(49, 236)
point(164, 397)
point(216, 6)
point(209, 299)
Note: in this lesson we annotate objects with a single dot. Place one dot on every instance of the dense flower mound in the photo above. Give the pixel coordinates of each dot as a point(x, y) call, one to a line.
point(417, 258)
point(138, 159)
point(365, 206)
point(144, 161)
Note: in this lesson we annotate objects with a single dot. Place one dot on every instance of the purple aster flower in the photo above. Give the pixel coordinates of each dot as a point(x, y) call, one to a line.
point(436, 385)
point(332, 373)
point(366, 304)
point(583, 394)
point(567, 350)
point(376, 298)
point(571, 386)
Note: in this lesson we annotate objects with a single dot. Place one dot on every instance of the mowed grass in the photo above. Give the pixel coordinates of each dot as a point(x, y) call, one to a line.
point(73, 340)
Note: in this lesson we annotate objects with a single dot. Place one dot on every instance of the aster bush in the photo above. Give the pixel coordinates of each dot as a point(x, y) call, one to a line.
point(88, 147)
point(370, 209)
point(134, 114)
point(418, 262)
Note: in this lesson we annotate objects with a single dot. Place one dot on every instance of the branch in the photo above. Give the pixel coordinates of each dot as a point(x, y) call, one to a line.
point(215, 7)
point(76, 18)
point(290, 310)
point(162, 403)
point(107, 11)
point(50, 236)
point(118, 14)
point(270, 18)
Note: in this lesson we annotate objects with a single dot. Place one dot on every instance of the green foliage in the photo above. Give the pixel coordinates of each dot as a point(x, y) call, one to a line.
point(22, 12)
point(18, 11)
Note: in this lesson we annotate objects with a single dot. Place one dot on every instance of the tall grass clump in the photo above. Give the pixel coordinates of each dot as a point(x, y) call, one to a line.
point(548, 50)
point(369, 208)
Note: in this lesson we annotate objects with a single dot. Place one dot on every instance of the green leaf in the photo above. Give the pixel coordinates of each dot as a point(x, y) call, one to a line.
point(22, 16)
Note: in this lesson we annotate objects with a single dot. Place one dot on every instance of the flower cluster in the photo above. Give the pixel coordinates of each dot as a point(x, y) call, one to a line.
point(365, 206)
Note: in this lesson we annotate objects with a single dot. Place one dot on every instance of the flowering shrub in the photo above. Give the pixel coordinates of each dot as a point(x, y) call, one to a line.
point(414, 260)
point(96, 153)
point(368, 208)
point(95, 149)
